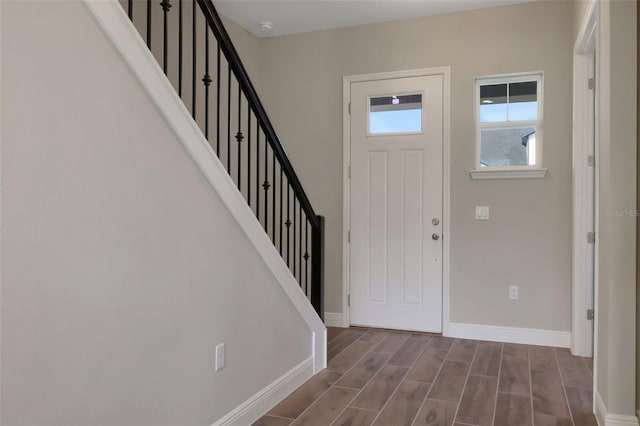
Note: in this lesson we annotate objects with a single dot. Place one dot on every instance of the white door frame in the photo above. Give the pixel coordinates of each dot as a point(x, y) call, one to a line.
point(445, 72)
point(585, 194)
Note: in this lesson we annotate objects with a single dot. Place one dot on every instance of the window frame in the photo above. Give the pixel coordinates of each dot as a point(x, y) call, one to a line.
point(386, 134)
point(515, 171)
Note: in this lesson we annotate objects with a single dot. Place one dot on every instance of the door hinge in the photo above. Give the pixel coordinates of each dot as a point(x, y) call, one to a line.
point(592, 83)
point(591, 237)
point(349, 108)
point(591, 160)
point(348, 236)
point(349, 172)
point(590, 314)
point(348, 300)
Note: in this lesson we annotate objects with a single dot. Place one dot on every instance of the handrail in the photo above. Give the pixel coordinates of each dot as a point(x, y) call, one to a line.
point(226, 45)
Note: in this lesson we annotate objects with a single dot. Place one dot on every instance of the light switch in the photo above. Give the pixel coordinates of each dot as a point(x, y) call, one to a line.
point(219, 356)
point(482, 213)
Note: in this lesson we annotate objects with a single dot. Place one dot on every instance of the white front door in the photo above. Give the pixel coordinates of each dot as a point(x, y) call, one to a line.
point(396, 134)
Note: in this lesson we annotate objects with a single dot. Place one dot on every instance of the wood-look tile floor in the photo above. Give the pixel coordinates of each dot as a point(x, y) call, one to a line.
point(392, 378)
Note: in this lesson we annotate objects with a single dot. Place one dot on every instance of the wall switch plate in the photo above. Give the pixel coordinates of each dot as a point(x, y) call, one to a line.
point(219, 356)
point(513, 292)
point(482, 213)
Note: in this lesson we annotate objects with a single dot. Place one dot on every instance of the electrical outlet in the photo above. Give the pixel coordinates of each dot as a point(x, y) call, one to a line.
point(482, 213)
point(220, 356)
point(513, 292)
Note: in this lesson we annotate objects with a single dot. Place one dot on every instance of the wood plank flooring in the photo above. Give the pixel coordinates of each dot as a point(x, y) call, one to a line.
point(393, 378)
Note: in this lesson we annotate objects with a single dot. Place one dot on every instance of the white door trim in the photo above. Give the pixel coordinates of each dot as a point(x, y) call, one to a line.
point(583, 185)
point(445, 72)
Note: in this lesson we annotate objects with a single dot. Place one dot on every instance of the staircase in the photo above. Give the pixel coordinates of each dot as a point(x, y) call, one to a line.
point(190, 43)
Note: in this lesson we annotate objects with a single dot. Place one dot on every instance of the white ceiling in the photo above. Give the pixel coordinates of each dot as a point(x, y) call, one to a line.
point(297, 16)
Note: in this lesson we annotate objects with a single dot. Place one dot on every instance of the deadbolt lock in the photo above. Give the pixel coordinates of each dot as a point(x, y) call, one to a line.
point(435, 221)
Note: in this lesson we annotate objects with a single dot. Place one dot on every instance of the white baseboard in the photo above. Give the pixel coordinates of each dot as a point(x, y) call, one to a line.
point(605, 418)
point(256, 406)
point(492, 333)
point(620, 420)
point(601, 410)
point(334, 319)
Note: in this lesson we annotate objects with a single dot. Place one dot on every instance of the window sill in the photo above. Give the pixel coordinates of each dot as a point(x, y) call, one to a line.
point(508, 174)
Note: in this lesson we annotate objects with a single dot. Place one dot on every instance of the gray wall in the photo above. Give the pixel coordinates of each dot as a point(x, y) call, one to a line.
point(121, 268)
point(579, 10)
point(616, 263)
point(527, 242)
point(248, 47)
point(618, 254)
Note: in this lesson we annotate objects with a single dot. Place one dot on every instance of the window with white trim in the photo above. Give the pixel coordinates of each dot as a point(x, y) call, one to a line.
point(509, 123)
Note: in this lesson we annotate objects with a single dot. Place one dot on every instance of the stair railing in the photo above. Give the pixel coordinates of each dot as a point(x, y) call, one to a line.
point(215, 87)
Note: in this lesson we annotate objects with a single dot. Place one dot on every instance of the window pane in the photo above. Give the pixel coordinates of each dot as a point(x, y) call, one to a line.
point(523, 92)
point(523, 99)
point(514, 146)
point(493, 103)
point(395, 114)
point(523, 111)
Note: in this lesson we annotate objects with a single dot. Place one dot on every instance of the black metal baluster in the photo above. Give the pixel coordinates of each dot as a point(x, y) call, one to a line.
point(306, 255)
point(300, 244)
point(130, 9)
point(229, 118)
point(266, 186)
point(258, 169)
point(273, 195)
point(294, 236)
point(193, 62)
point(288, 225)
point(166, 5)
point(218, 103)
point(249, 154)
point(317, 266)
point(180, 48)
point(281, 214)
point(239, 138)
point(149, 24)
point(207, 82)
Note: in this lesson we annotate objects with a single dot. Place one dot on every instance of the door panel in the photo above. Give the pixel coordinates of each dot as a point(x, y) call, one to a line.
point(377, 232)
point(412, 227)
point(396, 192)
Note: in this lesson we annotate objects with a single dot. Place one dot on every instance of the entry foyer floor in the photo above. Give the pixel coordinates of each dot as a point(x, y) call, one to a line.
point(394, 378)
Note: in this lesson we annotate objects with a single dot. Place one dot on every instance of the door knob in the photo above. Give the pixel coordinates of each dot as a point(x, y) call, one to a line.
point(435, 237)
